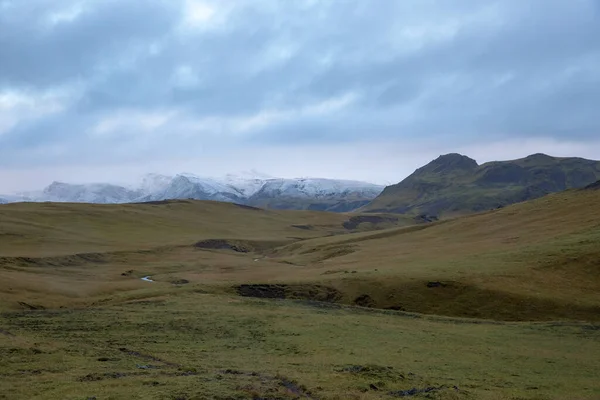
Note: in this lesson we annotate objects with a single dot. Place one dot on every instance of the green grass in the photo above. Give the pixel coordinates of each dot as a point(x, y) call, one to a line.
point(515, 314)
point(198, 337)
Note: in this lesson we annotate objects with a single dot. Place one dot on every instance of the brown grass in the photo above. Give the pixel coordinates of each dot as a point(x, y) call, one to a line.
point(71, 294)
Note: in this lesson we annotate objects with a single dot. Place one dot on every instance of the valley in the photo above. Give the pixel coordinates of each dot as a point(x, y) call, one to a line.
point(299, 200)
point(242, 302)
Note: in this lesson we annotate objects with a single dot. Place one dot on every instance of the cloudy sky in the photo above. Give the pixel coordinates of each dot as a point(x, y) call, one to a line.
point(106, 90)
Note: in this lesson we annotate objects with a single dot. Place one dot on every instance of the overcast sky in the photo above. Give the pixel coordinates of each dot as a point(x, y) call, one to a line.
point(107, 90)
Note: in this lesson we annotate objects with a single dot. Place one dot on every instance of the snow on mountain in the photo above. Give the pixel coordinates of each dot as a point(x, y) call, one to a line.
point(12, 198)
point(247, 183)
point(153, 183)
point(89, 193)
point(250, 187)
point(318, 188)
point(189, 186)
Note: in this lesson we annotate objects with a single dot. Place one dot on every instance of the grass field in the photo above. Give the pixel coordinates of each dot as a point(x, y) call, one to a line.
point(253, 304)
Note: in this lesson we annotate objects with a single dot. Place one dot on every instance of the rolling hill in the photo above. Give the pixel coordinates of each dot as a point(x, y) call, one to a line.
point(51, 229)
point(250, 303)
point(455, 184)
point(528, 261)
point(487, 265)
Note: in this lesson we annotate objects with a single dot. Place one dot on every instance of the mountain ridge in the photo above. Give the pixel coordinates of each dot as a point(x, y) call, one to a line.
point(251, 188)
point(455, 184)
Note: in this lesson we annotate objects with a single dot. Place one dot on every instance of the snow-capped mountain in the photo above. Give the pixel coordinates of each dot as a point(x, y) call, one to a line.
point(188, 186)
point(248, 183)
point(317, 188)
point(13, 198)
point(89, 193)
point(314, 194)
point(250, 188)
point(154, 183)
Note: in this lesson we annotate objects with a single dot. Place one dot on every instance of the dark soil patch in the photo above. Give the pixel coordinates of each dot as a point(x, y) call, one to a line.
point(364, 301)
point(247, 207)
point(240, 246)
point(355, 221)
point(31, 306)
point(304, 227)
point(6, 333)
point(299, 292)
point(222, 244)
point(107, 375)
point(436, 284)
point(425, 218)
point(418, 391)
point(58, 261)
point(180, 282)
point(146, 357)
point(395, 308)
point(262, 291)
point(455, 299)
point(272, 386)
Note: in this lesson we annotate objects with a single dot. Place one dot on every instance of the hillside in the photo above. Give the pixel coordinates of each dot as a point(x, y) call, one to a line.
point(533, 260)
point(454, 184)
point(50, 229)
point(539, 252)
point(298, 304)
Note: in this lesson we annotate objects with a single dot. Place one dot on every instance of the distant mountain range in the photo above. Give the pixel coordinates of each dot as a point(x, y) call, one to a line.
point(455, 184)
point(252, 189)
point(452, 184)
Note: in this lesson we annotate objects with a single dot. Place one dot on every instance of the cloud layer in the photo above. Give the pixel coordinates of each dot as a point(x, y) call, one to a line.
point(215, 84)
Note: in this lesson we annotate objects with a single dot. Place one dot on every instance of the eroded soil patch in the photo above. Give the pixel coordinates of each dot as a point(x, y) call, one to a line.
point(355, 221)
point(444, 298)
point(147, 357)
point(239, 246)
point(457, 299)
point(264, 387)
point(299, 292)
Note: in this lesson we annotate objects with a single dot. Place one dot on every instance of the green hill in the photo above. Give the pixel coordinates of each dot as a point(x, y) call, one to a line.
point(454, 184)
point(244, 303)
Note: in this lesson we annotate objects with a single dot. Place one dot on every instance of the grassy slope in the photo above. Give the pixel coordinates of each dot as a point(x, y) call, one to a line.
point(535, 251)
point(220, 347)
point(324, 204)
point(535, 260)
point(93, 245)
point(454, 184)
point(34, 229)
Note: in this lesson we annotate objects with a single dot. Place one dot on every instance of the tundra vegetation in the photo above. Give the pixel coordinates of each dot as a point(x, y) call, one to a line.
point(246, 303)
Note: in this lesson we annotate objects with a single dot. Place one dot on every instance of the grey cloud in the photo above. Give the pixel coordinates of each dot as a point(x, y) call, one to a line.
point(34, 53)
point(460, 71)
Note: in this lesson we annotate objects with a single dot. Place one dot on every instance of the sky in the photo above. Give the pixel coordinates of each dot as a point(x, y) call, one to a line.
point(107, 90)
